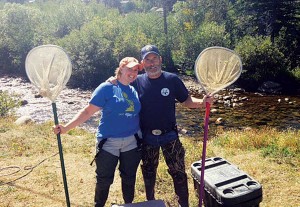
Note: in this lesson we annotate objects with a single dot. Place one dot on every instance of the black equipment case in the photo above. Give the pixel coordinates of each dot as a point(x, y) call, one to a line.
point(225, 185)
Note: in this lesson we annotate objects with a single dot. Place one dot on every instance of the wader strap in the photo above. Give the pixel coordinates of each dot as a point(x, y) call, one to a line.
point(138, 141)
point(100, 145)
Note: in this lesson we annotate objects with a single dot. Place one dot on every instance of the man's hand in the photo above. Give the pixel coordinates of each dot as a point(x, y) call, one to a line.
point(208, 98)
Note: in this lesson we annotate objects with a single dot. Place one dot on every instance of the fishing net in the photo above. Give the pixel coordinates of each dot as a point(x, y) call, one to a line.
point(216, 68)
point(49, 68)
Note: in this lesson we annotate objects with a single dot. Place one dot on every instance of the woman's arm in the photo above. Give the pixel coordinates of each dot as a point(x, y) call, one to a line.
point(82, 116)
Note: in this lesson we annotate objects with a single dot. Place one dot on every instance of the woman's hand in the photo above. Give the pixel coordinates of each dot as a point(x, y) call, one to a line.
point(59, 129)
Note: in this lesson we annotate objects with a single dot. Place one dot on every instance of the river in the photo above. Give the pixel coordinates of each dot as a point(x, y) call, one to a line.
point(233, 108)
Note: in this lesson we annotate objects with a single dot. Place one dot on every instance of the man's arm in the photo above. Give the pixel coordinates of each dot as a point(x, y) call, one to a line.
point(192, 102)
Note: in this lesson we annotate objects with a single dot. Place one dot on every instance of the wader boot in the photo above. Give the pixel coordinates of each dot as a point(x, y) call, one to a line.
point(181, 190)
point(128, 192)
point(129, 162)
point(149, 187)
point(101, 195)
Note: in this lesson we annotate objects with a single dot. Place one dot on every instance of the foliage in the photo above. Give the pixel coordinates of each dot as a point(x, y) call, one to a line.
point(215, 10)
point(131, 29)
point(277, 19)
point(17, 23)
point(190, 44)
point(119, 30)
point(288, 44)
point(282, 146)
point(261, 59)
point(296, 73)
point(90, 50)
point(8, 102)
point(69, 15)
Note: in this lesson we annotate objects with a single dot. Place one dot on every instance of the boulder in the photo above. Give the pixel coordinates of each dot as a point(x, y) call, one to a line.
point(23, 120)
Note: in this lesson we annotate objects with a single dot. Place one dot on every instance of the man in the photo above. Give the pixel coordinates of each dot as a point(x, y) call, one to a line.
point(158, 91)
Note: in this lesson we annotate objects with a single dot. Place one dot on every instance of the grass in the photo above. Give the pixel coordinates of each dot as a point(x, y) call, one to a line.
point(30, 173)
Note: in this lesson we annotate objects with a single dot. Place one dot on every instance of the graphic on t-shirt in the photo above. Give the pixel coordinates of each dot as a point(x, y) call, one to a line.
point(130, 102)
point(118, 94)
point(121, 96)
point(165, 91)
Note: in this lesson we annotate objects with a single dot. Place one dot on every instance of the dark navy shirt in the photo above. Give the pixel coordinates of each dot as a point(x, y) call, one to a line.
point(158, 98)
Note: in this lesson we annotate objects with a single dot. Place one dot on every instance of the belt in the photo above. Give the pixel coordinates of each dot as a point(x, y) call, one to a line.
point(158, 132)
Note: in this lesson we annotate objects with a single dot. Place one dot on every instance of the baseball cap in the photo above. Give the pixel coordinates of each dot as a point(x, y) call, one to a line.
point(129, 62)
point(149, 49)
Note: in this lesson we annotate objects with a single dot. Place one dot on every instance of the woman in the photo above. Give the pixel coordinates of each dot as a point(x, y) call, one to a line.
point(118, 131)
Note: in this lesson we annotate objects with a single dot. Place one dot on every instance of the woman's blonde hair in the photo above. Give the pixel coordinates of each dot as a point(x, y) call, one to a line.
point(118, 72)
point(127, 61)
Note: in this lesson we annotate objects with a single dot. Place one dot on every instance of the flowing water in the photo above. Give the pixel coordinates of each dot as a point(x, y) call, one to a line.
point(253, 110)
point(237, 110)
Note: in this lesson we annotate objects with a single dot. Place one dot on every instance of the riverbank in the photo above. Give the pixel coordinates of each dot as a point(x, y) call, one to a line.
point(31, 164)
point(233, 108)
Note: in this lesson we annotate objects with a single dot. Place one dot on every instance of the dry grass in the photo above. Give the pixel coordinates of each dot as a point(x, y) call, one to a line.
point(269, 156)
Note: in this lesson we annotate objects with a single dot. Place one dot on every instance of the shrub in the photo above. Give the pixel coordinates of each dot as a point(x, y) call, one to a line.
point(262, 60)
point(8, 102)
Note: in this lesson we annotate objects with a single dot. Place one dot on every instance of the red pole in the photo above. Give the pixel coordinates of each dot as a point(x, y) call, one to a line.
point(206, 120)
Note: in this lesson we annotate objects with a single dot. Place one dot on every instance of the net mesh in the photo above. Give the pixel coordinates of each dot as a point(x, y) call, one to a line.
point(49, 68)
point(216, 68)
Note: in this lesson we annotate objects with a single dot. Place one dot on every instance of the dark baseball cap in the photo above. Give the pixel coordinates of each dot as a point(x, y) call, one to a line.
point(149, 49)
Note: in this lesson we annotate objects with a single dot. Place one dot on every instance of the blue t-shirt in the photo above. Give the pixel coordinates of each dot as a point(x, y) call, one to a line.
point(158, 98)
point(120, 110)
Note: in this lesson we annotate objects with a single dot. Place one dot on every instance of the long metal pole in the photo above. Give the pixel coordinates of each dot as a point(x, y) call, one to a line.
point(206, 120)
point(61, 156)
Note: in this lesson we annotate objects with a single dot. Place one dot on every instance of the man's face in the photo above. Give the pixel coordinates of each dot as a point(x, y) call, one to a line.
point(152, 65)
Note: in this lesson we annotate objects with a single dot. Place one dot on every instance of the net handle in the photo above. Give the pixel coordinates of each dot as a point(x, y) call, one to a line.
point(207, 112)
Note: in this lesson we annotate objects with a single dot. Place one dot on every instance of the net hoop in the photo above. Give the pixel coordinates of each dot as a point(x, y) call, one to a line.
point(49, 68)
point(216, 68)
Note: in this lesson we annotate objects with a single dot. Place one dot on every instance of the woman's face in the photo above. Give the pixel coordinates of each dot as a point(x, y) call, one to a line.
point(128, 75)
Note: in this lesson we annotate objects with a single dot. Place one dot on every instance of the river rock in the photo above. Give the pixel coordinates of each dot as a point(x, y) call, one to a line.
point(23, 102)
point(23, 120)
point(270, 87)
point(219, 121)
point(227, 98)
point(213, 111)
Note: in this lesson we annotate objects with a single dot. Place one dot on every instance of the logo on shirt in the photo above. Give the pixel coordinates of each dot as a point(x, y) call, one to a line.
point(118, 94)
point(123, 97)
point(165, 92)
point(130, 103)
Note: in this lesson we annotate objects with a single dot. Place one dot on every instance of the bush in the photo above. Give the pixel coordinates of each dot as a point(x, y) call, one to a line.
point(8, 102)
point(262, 61)
point(17, 23)
point(91, 52)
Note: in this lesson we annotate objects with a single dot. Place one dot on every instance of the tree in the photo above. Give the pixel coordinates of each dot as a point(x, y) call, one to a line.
point(18, 29)
point(272, 15)
point(262, 60)
point(278, 19)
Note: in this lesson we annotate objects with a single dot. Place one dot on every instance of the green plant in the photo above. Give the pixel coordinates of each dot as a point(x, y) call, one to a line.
point(296, 73)
point(262, 60)
point(8, 102)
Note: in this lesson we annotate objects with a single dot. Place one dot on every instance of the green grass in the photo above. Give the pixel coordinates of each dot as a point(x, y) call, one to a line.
point(269, 156)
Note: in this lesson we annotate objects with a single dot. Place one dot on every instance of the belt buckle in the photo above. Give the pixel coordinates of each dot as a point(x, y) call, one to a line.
point(156, 132)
